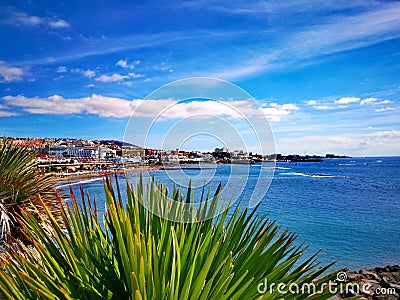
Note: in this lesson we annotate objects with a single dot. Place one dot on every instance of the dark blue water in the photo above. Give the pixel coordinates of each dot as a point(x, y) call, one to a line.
point(348, 207)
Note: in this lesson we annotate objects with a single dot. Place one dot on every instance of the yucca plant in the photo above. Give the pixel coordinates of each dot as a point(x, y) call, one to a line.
point(135, 254)
point(20, 182)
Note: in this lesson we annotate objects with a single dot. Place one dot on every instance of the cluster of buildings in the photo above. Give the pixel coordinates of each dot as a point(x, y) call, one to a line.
point(70, 155)
point(109, 152)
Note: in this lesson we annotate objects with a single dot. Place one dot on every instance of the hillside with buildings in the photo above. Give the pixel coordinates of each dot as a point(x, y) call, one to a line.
point(65, 157)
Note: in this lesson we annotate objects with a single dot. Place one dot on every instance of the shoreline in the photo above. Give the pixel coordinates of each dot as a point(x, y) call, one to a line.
point(65, 178)
point(374, 283)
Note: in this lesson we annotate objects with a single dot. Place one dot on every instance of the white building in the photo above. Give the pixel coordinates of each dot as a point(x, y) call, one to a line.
point(107, 153)
point(84, 151)
point(221, 150)
point(57, 151)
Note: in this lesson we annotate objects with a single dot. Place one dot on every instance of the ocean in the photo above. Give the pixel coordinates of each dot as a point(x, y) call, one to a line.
point(350, 207)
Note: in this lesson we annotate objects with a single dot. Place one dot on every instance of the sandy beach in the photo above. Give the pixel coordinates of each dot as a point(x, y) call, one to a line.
point(88, 175)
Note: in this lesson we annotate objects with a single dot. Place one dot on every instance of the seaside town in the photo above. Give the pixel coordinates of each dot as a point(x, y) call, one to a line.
point(67, 158)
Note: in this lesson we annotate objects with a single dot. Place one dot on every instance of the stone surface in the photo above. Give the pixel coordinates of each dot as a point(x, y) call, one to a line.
point(373, 284)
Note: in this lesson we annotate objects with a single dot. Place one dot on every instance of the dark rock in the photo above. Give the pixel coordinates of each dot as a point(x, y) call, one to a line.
point(374, 284)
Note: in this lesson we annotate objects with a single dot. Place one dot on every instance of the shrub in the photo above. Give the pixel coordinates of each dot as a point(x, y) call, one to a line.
point(135, 254)
point(20, 182)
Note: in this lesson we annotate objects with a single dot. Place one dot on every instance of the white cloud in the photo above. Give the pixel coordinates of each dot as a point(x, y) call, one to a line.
point(275, 111)
point(57, 105)
point(117, 77)
point(374, 101)
point(384, 109)
point(89, 73)
point(386, 142)
point(357, 30)
point(165, 108)
point(311, 102)
point(86, 73)
point(288, 106)
point(23, 19)
point(324, 107)
point(7, 114)
point(61, 69)
point(383, 102)
point(135, 75)
point(20, 18)
point(368, 101)
point(347, 100)
point(59, 24)
point(10, 73)
point(123, 63)
point(114, 77)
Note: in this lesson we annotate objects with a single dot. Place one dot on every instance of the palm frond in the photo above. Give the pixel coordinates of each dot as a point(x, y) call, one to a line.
point(20, 183)
point(140, 255)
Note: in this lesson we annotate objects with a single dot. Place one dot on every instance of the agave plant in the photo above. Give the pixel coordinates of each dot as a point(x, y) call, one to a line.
point(135, 254)
point(20, 182)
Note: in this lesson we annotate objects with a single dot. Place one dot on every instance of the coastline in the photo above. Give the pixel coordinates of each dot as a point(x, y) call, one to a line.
point(376, 283)
point(88, 175)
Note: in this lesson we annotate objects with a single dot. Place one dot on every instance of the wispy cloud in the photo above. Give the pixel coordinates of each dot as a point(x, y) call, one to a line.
point(57, 105)
point(135, 75)
point(384, 109)
point(23, 19)
point(266, 50)
point(311, 102)
point(59, 24)
point(275, 112)
point(59, 77)
point(373, 101)
point(5, 113)
point(106, 45)
point(117, 77)
point(356, 31)
point(87, 73)
point(123, 63)
point(61, 69)
point(324, 107)
point(386, 142)
point(338, 33)
point(347, 100)
point(10, 73)
point(266, 8)
point(344, 102)
point(121, 108)
point(111, 78)
point(368, 100)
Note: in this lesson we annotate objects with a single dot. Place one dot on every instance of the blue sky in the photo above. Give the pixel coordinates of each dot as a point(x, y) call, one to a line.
point(325, 73)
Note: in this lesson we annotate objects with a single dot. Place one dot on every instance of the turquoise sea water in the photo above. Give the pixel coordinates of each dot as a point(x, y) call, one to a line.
point(348, 207)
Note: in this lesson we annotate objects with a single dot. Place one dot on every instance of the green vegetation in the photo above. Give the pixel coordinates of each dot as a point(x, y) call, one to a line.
point(20, 183)
point(138, 255)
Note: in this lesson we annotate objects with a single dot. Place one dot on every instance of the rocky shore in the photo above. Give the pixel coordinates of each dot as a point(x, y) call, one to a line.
point(376, 284)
